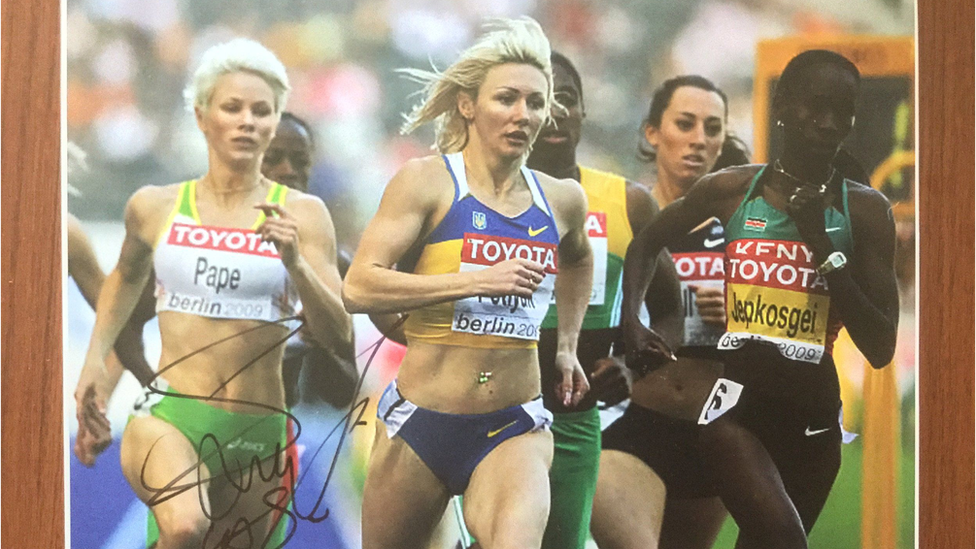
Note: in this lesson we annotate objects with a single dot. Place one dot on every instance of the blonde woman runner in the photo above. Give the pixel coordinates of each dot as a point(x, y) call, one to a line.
point(233, 252)
point(469, 244)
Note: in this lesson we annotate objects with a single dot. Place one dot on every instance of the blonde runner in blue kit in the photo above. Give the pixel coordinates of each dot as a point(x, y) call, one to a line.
point(471, 255)
point(470, 237)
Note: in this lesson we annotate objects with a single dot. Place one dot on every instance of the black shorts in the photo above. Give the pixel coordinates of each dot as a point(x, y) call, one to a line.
point(668, 446)
point(792, 407)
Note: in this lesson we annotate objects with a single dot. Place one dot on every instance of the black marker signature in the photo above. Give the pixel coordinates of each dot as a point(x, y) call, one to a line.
point(278, 465)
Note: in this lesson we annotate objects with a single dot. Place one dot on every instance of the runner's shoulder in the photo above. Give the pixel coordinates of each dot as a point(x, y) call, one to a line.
point(305, 204)
point(870, 211)
point(731, 180)
point(640, 200)
point(638, 191)
point(153, 200)
point(424, 167)
point(866, 196)
point(425, 179)
point(564, 195)
point(149, 207)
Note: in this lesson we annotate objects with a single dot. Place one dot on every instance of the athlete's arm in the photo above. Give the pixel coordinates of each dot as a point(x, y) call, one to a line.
point(84, 269)
point(707, 198)
point(304, 236)
point(572, 285)
point(124, 285)
point(96, 385)
point(82, 264)
point(389, 324)
point(406, 210)
point(663, 297)
point(115, 301)
point(129, 346)
point(865, 292)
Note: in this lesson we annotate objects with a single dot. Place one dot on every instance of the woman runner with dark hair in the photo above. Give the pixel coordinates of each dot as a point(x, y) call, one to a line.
point(651, 487)
point(807, 252)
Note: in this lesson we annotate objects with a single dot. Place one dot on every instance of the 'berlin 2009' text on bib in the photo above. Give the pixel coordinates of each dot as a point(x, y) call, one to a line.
point(508, 316)
point(774, 294)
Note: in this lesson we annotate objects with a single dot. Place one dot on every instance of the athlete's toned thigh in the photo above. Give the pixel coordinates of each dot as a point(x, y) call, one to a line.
point(402, 499)
point(506, 503)
point(163, 469)
point(629, 503)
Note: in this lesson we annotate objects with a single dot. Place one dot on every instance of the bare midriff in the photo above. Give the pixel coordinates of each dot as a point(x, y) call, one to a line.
point(243, 371)
point(451, 379)
point(678, 389)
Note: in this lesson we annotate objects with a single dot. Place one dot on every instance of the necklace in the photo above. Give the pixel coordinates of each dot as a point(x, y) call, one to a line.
point(207, 183)
point(778, 168)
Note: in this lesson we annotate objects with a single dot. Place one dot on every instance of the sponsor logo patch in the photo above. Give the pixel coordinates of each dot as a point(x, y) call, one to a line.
point(489, 250)
point(220, 238)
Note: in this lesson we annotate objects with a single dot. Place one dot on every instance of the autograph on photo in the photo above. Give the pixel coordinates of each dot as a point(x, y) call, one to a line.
point(280, 500)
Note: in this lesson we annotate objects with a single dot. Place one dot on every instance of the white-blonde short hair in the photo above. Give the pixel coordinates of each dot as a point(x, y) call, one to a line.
point(237, 55)
point(505, 41)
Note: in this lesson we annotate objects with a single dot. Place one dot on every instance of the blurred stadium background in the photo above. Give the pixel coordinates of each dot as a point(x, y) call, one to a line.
point(128, 60)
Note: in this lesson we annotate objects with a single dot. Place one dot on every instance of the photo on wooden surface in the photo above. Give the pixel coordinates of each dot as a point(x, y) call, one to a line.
point(387, 274)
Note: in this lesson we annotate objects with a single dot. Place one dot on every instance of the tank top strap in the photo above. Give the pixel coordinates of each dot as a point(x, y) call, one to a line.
point(754, 183)
point(184, 206)
point(276, 195)
point(536, 189)
point(455, 167)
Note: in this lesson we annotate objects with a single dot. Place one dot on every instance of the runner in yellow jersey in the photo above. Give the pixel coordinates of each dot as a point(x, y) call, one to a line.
point(617, 209)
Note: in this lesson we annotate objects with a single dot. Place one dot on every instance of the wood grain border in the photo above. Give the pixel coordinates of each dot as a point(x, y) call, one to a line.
point(32, 449)
point(946, 293)
point(32, 460)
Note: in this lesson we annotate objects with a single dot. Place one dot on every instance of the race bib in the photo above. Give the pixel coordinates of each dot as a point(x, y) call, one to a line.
point(596, 231)
point(774, 294)
point(725, 394)
point(704, 270)
point(507, 316)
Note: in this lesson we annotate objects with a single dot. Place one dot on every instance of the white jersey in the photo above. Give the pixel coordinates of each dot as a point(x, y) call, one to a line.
point(220, 272)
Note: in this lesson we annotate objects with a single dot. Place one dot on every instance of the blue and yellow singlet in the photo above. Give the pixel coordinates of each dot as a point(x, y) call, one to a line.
point(472, 237)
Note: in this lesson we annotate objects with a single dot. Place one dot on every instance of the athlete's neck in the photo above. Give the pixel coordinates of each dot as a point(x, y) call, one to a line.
point(806, 167)
point(558, 163)
point(666, 190)
point(486, 169)
point(228, 187)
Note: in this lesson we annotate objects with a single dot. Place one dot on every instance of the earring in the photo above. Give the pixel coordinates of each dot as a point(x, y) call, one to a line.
point(779, 123)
